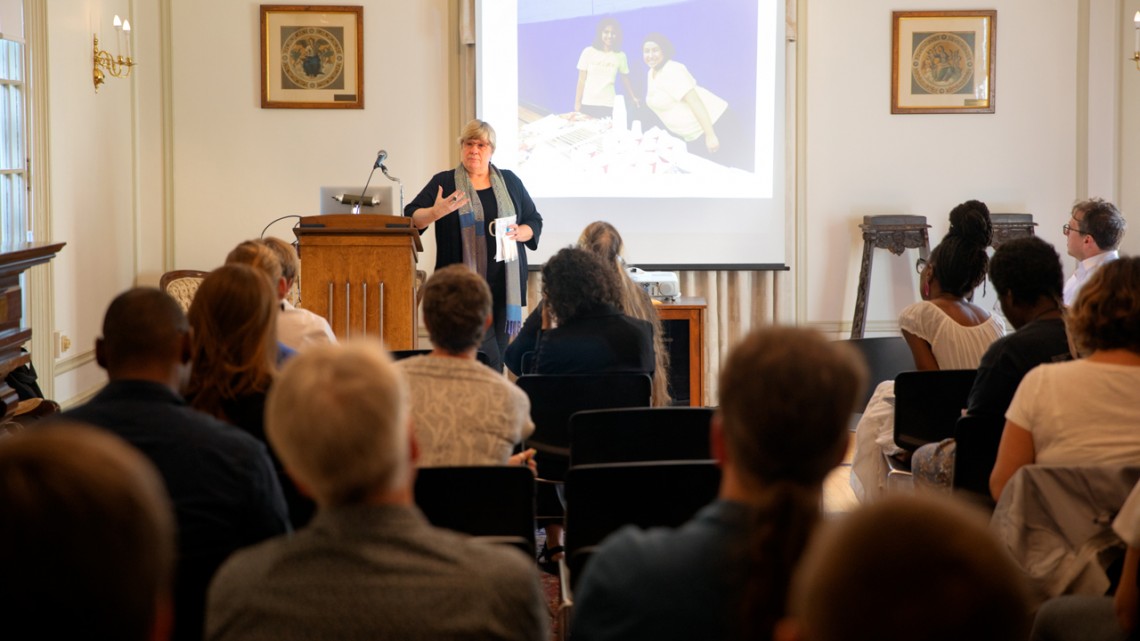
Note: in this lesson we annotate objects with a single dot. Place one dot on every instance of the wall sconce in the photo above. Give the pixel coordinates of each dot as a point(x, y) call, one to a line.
point(116, 65)
point(1136, 45)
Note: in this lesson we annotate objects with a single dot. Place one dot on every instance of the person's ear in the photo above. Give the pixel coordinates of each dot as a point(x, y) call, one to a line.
point(282, 288)
point(487, 323)
point(101, 352)
point(716, 439)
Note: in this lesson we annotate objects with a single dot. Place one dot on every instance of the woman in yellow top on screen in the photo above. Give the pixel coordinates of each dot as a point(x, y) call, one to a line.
point(598, 67)
point(685, 109)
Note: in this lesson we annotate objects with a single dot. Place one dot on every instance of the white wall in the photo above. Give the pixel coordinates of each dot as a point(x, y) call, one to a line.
point(861, 160)
point(1129, 130)
point(238, 166)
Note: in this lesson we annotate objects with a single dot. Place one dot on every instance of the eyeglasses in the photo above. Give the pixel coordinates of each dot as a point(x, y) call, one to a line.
point(920, 265)
point(1069, 228)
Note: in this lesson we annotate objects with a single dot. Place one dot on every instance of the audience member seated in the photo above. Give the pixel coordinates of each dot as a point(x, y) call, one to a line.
point(369, 565)
point(258, 255)
point(602, 239)
point(86, 539)
point(1100, 618)
point(233, 359)
point(463, 412)
point(584, 331)
point(786, 396)
point(225, 493)
point(944, 331)
point(1085, 411)
point(849, 586)
point(1092, 235)
point(1026, 274)
point(296, 327)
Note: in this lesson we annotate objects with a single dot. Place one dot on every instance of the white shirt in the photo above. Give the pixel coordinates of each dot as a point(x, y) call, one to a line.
point(1085, 269)
point(298, 328)
point(1080, 412)
point(601, 68)
point(665, 94)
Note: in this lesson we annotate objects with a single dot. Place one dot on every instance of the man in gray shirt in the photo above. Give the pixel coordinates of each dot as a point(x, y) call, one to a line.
point(368, 565)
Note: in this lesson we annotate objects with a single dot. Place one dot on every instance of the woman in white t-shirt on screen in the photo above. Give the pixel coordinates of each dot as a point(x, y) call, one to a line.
point(598, 68)
point(1085, 411)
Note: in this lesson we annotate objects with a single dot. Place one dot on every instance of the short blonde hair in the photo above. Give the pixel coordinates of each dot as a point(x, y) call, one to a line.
point(259, 256)
point(338, 419)
point(478, 130)
point(286, 256)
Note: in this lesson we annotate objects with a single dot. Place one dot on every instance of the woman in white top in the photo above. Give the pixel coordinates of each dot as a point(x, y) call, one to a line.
point(1085, 411)
point(598, 68)
point(944, 331)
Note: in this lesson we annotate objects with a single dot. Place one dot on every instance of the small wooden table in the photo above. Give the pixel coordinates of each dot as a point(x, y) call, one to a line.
point(683, 322)
point(15, 258)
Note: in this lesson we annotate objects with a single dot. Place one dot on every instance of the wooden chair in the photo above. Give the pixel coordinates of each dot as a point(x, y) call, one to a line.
point(640, 434)
point(886, 357)
point(495, 503)
point(182, 284)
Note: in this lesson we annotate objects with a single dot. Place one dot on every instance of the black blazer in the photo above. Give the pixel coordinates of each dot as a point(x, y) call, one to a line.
point(599, 342)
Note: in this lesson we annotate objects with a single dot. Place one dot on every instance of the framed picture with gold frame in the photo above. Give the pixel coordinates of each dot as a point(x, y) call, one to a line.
point(943, 62)
point(312, 57)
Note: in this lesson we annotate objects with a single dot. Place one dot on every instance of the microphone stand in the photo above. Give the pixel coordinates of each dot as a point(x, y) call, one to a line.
point(360, 201)
point(398, 182)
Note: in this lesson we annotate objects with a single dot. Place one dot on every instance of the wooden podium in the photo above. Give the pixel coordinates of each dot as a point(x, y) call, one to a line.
point(358, 271)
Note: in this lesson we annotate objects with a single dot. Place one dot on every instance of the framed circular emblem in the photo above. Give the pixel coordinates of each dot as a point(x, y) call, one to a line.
point(312, 58)
point(943, 63)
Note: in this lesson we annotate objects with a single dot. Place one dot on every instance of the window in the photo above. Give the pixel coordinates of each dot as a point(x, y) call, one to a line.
point(14, 222)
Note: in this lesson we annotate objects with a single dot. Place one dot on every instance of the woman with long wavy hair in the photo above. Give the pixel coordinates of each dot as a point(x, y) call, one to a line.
point(233, 359)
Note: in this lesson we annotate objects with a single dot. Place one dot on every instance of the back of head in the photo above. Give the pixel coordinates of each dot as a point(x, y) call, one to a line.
point(259, 256)
point(575, 282)
point(960, 260)
point(234, 345)
point(786, 396)
point(142, 326)
point(1101, 220)
point(1106, 314)
point(964, 586)
point(338, 419)
point(286, 257)
point(1028, 268)
point(457, 302)
point(602, 239)
point(86, 537)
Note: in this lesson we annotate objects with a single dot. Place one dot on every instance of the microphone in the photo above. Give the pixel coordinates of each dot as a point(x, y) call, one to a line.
point(380, 156)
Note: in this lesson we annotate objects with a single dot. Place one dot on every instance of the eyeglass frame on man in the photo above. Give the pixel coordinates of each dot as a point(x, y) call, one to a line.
point(1066, 228)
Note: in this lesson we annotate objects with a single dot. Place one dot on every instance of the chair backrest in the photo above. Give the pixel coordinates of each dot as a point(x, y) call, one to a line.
point(929, 404)
point(975, 451)
point(401, 354)
point(555, 397)
point(182, 284)
point(493, 502)
point(602, 498)
point(640, 434)
point(886, 357)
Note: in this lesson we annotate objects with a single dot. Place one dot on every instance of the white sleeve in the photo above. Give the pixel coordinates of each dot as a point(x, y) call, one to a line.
point(1127, 523)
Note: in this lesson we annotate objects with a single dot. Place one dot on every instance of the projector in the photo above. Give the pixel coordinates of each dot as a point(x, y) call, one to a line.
point(662, 286)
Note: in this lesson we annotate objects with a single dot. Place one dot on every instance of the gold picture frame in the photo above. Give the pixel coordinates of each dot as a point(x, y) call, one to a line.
point(312, 57)
point(943, 62)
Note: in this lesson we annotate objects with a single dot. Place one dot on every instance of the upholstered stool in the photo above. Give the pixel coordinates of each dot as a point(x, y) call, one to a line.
point(893, 233)
point(1010, 226)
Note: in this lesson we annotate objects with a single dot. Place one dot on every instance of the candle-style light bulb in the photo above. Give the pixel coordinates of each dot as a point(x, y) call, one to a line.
point(117, 22)
point(127, 34)
point(1136, 44)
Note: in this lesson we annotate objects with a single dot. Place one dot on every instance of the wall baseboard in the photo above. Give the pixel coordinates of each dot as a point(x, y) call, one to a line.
point(74, 362)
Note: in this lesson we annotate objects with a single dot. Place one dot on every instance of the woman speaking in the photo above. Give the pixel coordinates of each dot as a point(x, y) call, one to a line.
point(464, 203)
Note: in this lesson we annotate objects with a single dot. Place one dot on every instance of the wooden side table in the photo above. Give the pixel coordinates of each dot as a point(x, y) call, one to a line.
point(683, 323)
point(893, 233)
point(1010, 226)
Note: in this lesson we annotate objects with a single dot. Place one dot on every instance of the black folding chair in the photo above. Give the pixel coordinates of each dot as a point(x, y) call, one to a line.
point(491, 502)
point(640, 434)
point(886, 358)
point(976, 445)
point(928, 405)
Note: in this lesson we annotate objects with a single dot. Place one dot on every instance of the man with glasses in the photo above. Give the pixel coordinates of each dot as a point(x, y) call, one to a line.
point(1092, 236)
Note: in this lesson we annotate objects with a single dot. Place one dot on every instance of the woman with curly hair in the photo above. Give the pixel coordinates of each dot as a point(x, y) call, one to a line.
point(234, 357)
point(603, 240)
point(945, 330)
point(1087, 410)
